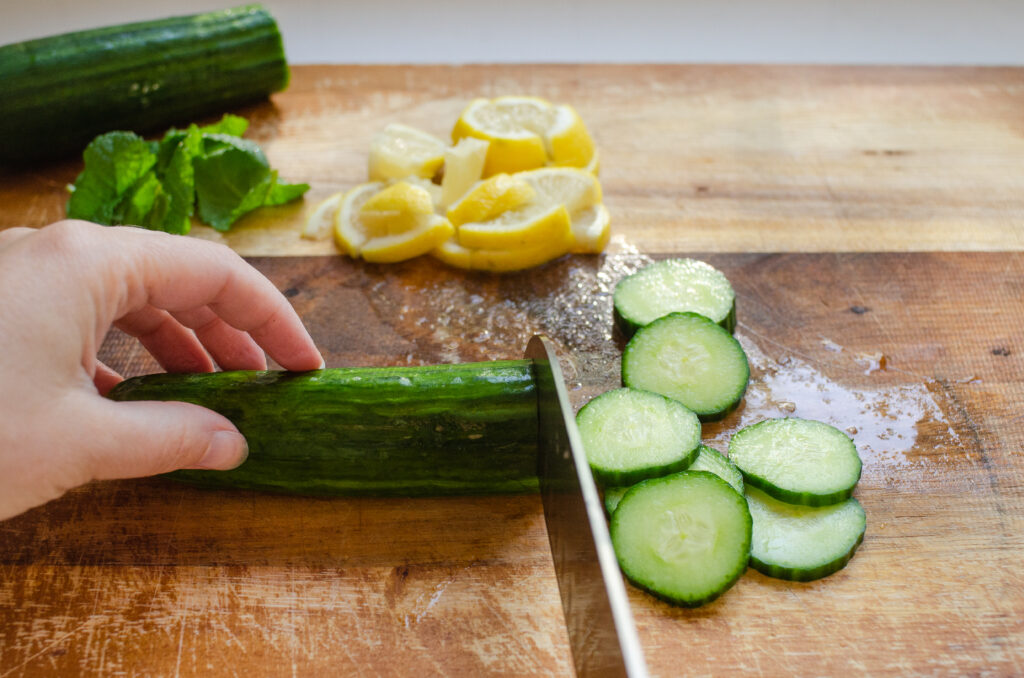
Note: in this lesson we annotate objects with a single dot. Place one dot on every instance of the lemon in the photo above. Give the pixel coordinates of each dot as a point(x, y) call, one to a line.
point(321, 218)
point(489, 198)
point(456, 254)
point(383, 223)
point(400, 151)
point(525, 133)
point(594, 166)
point(527, 227)
point(591, 229)
point(395, 209)
point(463, 167)
point(577, 189)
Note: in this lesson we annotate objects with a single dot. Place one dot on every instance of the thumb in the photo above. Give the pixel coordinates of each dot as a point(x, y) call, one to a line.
point(144, 438)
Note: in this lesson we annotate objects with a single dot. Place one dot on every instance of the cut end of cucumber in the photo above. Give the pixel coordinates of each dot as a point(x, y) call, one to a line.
point(630, 435)
point(803, 543)
point(684, 537)
point(689, 358)
point(674, 285)
point(797, 461)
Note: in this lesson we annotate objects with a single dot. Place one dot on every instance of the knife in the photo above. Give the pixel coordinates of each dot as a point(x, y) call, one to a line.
point(602, 634)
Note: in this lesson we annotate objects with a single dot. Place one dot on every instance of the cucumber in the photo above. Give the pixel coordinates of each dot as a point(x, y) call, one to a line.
point(803, 543)
point(674, 285)
point(708, 459)
point(630, 435)
point(61, 91)
point(684, 537)
point(797, 461)
point(689, 358)
point(391, 431)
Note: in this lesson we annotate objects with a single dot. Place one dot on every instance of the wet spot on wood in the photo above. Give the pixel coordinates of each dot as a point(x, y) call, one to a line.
point(859, 310)
point(1001, 350)
point(291, 292)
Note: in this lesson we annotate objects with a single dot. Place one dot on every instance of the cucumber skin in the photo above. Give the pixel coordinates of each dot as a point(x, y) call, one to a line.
point(708, 417)
point(63, 90)
point(791, 496)
point(629, 327)
point(681, 602)
point(392, 431)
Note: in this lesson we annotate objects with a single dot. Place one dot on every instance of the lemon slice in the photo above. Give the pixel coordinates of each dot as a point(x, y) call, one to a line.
point(321, 219)
point(455, 254)
point(577, 189)
point(395, 209)
point(489, 198)
point(525, 133)
point(531, 226)
point(385, 224)
point(594, 166)
point(432, 231)
point(591, 229)
point(400, 151)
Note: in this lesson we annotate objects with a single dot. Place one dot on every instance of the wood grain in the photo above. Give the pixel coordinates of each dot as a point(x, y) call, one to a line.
point(807, 187)
point(702, 158)
point(149, 577)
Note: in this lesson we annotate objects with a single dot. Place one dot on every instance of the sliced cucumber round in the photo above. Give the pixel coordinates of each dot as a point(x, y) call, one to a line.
point(674, 285)
point(802, 543)
point(630, 435)
point(689, 358)
point(708, 459)
point(797, 461)
point(684, 537)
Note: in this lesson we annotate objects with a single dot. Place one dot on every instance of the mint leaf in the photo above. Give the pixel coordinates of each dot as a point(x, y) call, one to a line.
point(230, 181)
point(282, 193)
point(234, 125)
point(179, 183)
point(114, 163)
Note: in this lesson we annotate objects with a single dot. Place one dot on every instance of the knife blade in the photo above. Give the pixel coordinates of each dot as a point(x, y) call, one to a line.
point(602, 633)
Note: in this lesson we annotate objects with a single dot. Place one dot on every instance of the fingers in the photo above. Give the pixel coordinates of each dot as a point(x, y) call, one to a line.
point(135, 439)
point(9, 235)
point(231, 348)
point(173, 346)
point(105, 378)
point(185, 274)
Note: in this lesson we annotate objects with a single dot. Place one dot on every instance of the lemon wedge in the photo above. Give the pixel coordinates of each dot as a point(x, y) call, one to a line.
point(490, 198)
point(401, 151)
point(525, 133)
point(503, 259)
point(531, 226)
point(591, 229)
point(321, 219)
point(385, 224)
point(577, 189)
point(463, 167)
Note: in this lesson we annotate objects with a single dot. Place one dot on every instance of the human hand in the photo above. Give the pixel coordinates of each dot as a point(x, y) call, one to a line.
point(189, 303)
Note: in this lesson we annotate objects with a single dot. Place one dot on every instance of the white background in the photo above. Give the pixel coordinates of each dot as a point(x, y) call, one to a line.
point(459, 31)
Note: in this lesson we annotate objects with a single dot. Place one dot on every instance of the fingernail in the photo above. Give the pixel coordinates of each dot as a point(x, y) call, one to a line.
point(227, 450)
point(323, 364)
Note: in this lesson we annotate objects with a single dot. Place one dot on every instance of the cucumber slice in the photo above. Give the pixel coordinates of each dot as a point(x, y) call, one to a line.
point(708, 459)
point(797, 461)
point(684, 537)
point(802, 543)
point(630, 435)
point(687, 357)
point(674, 285)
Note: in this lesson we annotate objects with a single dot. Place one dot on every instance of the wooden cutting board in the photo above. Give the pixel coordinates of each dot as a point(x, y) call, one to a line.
point(871, 221)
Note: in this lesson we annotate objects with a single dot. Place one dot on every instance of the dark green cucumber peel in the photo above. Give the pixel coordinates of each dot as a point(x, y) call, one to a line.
point(391, 431)
point(61, 91)
point(785, 479)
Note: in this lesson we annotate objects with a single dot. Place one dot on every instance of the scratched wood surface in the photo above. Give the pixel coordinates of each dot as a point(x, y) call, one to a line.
point(770, 170)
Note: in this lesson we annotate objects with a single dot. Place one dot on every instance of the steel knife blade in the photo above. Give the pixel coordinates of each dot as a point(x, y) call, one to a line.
point(602, 633)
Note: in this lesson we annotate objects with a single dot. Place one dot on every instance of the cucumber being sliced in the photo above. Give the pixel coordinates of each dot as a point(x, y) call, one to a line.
point(674, 285)
point(797, 461)
point(708, 459)
point(802, 543)
point(630, 435)
point(687, 357)
point(684, 537)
